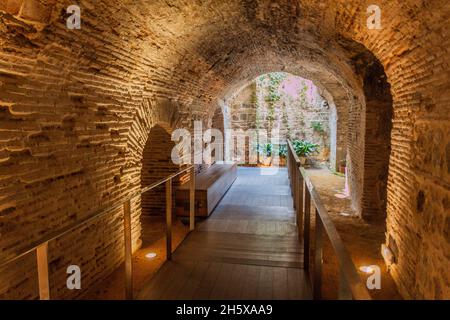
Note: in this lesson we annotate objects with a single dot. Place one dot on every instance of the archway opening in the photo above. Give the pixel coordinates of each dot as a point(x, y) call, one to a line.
point(156, 165)
point(285, 106)
point(353, 135)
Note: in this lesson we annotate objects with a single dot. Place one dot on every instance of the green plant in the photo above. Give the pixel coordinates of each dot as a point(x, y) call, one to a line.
point(273, 93)
point(305, 148)
point(282, 151)
point(273, 96)
point(317, 126)
point(265, 149)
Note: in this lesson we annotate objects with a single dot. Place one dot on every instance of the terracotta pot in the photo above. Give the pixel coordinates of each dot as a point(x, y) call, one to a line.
point(266, 161)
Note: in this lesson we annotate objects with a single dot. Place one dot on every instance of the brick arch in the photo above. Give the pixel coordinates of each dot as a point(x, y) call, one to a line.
point(88, 85)
point(153, 113)
point(350, 103)
point(156, 165)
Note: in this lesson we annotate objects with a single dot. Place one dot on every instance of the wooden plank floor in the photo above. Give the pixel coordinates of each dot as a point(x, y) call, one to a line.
point(247, 249)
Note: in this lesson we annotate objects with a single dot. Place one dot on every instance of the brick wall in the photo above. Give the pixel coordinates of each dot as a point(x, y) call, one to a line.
point(76, 107)
point(377, 146)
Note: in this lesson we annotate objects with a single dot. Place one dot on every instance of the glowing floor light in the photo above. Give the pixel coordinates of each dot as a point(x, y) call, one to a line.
point(150, 255)
point(345, 214)
point(366, 269)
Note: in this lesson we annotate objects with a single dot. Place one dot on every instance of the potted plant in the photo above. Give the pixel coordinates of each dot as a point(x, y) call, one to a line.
point(265, 150)
point(304, 148)
point(282, 152)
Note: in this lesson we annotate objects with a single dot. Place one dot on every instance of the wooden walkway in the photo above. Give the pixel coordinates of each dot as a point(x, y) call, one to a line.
point(247, 249)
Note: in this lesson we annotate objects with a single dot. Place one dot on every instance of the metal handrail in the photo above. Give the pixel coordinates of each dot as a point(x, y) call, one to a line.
point(350, 284)
point(41, 245)
point(160, 182)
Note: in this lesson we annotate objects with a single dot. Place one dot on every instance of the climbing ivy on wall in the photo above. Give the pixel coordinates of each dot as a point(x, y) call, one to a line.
point(291, 101)
point(273, 93)
point(317, 126)
point(302, 95)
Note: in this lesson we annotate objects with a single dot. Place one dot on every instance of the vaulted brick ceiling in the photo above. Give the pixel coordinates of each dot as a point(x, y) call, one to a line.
point(76, 106)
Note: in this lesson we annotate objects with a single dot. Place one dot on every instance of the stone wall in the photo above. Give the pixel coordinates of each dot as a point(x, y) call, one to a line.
point(291, 116)
point(218, 122)
point(298, 107)
point(243, 113)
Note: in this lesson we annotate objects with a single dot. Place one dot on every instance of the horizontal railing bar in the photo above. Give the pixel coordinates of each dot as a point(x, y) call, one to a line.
point(59, 233)
point(160, 182)
point(358, 289)
point(63, 231)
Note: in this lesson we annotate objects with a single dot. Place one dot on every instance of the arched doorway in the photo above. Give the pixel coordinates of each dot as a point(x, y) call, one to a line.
point(156, 165)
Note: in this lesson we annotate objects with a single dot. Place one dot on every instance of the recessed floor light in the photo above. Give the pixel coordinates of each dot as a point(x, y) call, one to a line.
point(366, 269)
point(150, 255)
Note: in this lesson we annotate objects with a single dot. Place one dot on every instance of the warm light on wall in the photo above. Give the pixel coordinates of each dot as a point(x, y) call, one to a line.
point(387, 254)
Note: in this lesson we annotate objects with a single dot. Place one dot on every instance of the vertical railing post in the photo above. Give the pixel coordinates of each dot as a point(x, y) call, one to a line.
point(169, 219)
point(42, 266)
point(294, 184)
point(307, 228)
point(291, 159)
point(128, 250)
point(344, 290)
point(290, 176)
point(300, 203)
point(192, 200)
point(317, 291)
point(288, 160)
point(288, 166)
